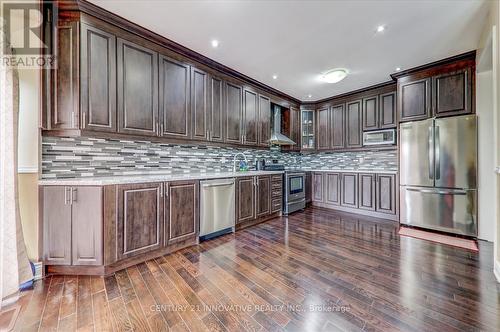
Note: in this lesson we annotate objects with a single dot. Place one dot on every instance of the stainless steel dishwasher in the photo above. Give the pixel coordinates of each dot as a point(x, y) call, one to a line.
point(217, 202)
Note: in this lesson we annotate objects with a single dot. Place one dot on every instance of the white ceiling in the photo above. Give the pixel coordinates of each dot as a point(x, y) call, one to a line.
point(298, 40)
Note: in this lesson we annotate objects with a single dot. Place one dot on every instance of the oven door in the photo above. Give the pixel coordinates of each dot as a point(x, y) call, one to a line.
point(295, 186)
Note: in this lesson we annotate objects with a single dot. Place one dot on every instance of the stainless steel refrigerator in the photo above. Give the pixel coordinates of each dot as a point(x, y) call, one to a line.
point(438, 174)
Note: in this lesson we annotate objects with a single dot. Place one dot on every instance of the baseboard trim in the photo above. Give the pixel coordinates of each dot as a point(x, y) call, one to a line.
point(496, 270)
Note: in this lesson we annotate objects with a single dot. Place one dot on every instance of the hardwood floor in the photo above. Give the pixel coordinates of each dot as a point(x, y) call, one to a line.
point(316, 270)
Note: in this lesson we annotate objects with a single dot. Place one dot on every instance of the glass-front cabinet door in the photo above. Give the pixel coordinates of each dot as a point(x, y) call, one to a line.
point(307, 129)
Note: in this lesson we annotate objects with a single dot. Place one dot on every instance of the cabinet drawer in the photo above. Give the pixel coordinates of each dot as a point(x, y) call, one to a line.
point(277, 185)
point(276, 193)
point(276, 178)
point(276, 205)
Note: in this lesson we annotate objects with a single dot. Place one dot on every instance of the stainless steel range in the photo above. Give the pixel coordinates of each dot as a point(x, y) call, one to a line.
point(294, 195)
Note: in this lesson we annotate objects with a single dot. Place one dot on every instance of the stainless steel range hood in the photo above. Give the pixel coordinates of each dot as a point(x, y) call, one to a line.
point(277, 138)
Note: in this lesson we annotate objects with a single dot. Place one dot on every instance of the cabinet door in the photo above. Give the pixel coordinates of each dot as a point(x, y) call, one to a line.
point(309, 187)
point(175, 114)
point(370, 113)
point(452, 93)
point(199, 106)
point(263, 198)
point(354, 130)
point(57, 225)
point(317, 187)
point(181, 214)
point(367, 191)
point(216, 103)
point(98, 79)
point(323, 128)
point(264, 126)
point(349, 190)
point(234, 97)
point(139, 219)
point(387, 110)
point(332, 188)
point(386, 193)
point(414, 100)
point(338, 126)
point(295, 127)
point(65, 102)
point(245, 199)
point(87, 223)
point(250, 117)
point(137, 89)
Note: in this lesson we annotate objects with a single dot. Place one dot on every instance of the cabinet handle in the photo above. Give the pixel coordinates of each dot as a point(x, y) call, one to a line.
point(84, 118)
point(65, 195)
point(166, 190)
point(208, 135)
point(74, 193)
point(161, 129)
point(161, 190)
point(157, 128)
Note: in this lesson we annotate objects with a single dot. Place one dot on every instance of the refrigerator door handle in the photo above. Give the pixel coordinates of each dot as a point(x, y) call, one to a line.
point(438, 191)
point(437, 153)
point(431, 151)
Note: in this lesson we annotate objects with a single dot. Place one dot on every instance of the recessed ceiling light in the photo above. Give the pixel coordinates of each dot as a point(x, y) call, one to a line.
point(275, 77)
point(334, 76)
point(309, 96)
point(215, 43)
point(380, 28)
point(398, 68)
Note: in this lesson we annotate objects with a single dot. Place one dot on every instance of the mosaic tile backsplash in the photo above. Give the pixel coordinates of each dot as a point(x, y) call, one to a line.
point(85, 157)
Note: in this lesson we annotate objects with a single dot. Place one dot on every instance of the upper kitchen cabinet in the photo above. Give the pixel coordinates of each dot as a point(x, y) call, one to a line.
point(370, 113)
point(250, 117)
point(323, 128)
point(439, 89)
point(234, 111)
point(353, 124)
point(338, 126)
point(216, 109)
point(264, 125)
point(98, 79)
point(295, 127)
point(307, 129)
point(199, 105)
point(175, 112)
point(137, 82)
point(387, 116)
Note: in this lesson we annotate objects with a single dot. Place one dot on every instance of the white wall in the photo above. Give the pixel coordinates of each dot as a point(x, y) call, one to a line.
point(29, 100)
point(486, 153)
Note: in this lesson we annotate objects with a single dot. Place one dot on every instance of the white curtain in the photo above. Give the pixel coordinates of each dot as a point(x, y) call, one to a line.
point(14, 264)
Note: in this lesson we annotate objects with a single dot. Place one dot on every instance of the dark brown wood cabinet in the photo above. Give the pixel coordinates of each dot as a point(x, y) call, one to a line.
point(452, 93)
point(349, 190)
point(371, 113)
point(98, 79)
point(234, 113)
point(216, 106)
point(387, 110)
point(263, 198)
point(367, 191)
point(295, 127)
point(137, 84)
point(323, 129)
point(333, 188)
point(250, 117)
point(174, 96)
point(386, 193)
point(318, 192)
point(72, 225)
point(338, 126)
point(181, 211)
point(414, 99)
point(245, 199)
point(353, 124)
point(309, 187)
point(264, 125)
point(139, 222)
point(199, 105)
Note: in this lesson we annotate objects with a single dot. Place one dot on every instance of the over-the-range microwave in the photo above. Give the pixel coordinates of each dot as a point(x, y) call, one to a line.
point(379, 137)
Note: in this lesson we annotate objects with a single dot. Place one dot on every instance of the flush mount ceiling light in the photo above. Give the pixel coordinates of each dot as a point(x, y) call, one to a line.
point(215, 43)
point(334, 76)
point(275, 77)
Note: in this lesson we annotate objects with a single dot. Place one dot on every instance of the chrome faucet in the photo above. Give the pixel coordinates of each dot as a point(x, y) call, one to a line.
point(234, 160)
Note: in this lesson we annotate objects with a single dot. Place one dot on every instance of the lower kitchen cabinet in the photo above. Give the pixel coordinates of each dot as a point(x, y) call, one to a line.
point(181, 211)
point(257, 198)
point(308, 186)
point(72, 225)
point(369, 194)
point(139, 224)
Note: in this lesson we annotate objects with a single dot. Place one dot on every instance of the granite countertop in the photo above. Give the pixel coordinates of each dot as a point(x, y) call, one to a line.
point(124, 179)
point(347, 170)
